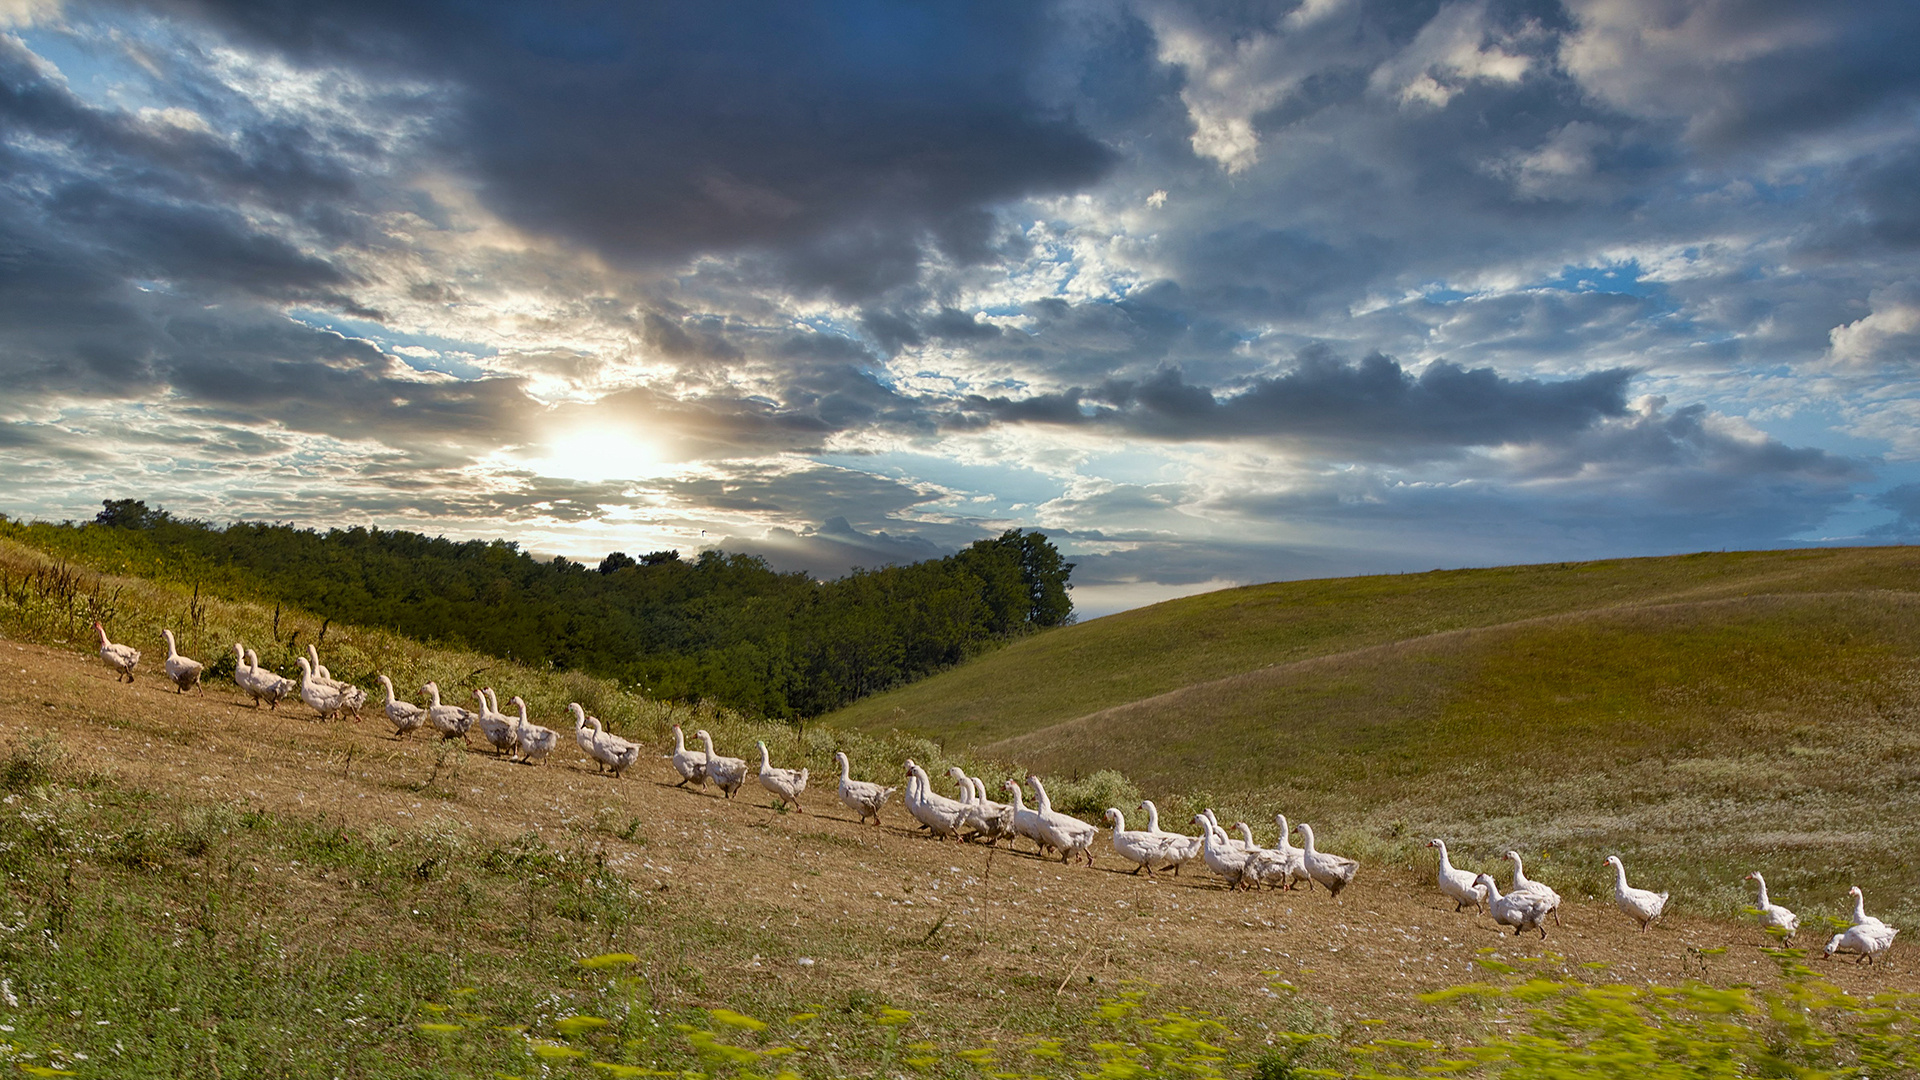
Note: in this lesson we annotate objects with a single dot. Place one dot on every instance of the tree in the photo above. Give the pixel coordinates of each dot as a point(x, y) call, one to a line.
point(128, 514)
point(618, 560)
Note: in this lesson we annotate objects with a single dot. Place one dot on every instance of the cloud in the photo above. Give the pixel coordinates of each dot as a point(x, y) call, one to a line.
point(1370, 410)
point(1743, 73)
point(840, 137)
point(832, 550)
point(1216, 292)
point(1904, 501)
point(1889, 334)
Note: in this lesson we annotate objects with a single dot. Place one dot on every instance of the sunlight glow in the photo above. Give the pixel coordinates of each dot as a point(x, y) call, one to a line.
point(595, 454)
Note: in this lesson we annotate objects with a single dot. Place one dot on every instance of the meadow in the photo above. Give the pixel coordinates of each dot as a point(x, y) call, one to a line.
point(1699, 715)
point(194, 887)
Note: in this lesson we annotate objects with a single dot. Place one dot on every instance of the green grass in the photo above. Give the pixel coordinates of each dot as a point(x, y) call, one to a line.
point(1701, 716)
point(1137, 654)
point(53, 602)
point(142, 936)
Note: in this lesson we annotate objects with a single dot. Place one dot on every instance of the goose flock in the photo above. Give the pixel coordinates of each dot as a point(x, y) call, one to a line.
point(1239, 862)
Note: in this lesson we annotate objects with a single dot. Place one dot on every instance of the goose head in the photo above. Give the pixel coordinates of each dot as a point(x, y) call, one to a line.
point(579, 715)
point(1441, 844)
point(1614, 861)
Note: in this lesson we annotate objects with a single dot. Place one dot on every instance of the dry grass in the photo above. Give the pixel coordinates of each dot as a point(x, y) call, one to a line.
point(1697, 740)
point(1138, 654)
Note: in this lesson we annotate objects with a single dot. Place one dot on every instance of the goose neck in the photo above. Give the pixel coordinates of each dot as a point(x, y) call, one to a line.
point(846, 768)
point(1119, 819)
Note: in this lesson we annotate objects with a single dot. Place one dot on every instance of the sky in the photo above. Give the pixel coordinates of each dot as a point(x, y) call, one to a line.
point(1211, 294)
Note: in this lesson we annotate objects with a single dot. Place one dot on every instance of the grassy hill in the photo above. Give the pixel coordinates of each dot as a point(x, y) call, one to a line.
point(197, 887)
point(1703, 714)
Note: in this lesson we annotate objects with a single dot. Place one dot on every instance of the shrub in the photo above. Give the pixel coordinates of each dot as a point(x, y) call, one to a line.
point(1090, 795)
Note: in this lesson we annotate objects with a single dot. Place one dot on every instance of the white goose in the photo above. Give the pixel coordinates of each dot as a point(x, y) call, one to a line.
point(184, 672)
point(1143, 849)
point(495, 726)
point(351, 696)
point(243, 675)
point(1181, 848)
point(535, 742)
point(121, 658)
point(1026, 822)
point(1227, 862)
point(1523, 883)
point(325, 700)
point(1276, 867)
point(1772, 915)
point(1296, 856)
point(1334, 871)
point(1461, 886)
point(610, 752)
point(1064, 831)
point(1641, 905)
point(451, 721)
point(727, 772)
point(1868, 937)
point(942, 816)
point(1520, 909)
point(1227, 839)
point(405, 716)
point(690, 764)
point(787, 785)
point(993, 820)
point(863, 797)
point(269, 686)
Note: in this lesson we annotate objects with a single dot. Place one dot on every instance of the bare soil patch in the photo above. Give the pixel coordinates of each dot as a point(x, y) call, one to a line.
point(814, 906)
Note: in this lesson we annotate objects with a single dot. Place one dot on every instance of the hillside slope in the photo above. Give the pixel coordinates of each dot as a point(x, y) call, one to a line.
point(1751, 710)
point(1135, 655)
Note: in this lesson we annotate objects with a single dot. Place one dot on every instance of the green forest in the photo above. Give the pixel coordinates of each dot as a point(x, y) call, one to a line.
point(719, 627)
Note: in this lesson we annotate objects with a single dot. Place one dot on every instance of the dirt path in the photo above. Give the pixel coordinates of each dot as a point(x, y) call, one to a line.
point(830, 906)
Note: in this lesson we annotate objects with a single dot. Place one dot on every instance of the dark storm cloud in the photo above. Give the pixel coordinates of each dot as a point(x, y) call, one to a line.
point(1370, 410)
point(1904, 501)
point(1747, 74)
point(118, 239)
point(840, 136)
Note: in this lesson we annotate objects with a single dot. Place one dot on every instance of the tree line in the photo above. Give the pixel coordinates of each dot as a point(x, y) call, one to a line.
point(721, 627)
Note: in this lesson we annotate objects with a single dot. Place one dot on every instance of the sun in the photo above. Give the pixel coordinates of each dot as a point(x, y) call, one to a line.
point(594, 454)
